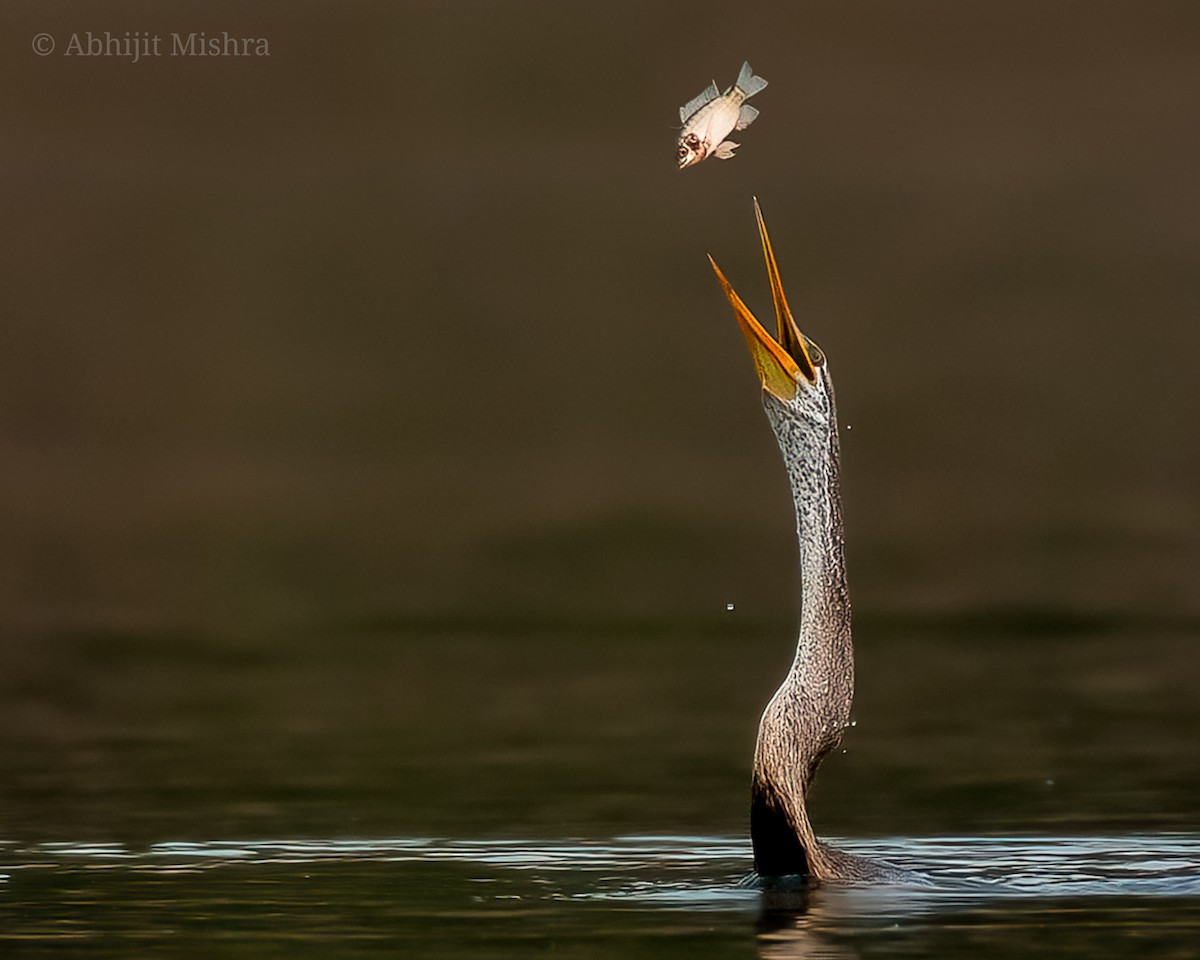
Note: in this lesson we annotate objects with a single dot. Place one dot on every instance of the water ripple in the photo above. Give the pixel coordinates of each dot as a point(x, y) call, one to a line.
point(696, 871)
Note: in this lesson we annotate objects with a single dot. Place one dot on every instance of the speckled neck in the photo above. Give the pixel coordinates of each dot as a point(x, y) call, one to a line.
point(809, 711)
point(808, 440)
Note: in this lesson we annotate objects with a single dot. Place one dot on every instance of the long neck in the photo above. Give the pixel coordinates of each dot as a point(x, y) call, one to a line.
point(824, 663)
point(805, 718)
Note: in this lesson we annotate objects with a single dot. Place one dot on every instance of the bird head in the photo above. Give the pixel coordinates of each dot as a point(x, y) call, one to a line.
point(791, 366)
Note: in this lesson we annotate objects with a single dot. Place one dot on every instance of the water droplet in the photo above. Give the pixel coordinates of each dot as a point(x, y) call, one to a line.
point(1049, 783)
point(729, 608)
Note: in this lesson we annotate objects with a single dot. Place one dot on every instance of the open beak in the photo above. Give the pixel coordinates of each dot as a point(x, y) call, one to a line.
point(781, 363)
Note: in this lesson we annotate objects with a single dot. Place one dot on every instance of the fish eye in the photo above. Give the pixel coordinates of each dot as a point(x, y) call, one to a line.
point(683, 152)
point(692, 140)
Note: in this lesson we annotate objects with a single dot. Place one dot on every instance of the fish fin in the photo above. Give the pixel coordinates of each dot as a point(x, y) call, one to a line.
point(725, 150)
point(746, 116)
point(748, 83)
point(708, 96)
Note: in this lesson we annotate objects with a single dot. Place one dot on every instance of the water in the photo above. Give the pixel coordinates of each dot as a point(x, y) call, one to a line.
point(473, 787)
point(642, 895)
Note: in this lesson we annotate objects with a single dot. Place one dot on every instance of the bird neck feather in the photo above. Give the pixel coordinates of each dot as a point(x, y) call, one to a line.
point(807, 715)
point(824, 653)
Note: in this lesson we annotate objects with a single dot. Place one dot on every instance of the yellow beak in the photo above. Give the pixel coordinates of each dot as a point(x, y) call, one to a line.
point(780, 363)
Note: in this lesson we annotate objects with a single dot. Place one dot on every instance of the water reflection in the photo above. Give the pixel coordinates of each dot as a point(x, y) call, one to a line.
point(793, 924)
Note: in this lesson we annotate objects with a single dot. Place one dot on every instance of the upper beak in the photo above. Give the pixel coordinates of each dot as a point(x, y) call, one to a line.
point(782, 363)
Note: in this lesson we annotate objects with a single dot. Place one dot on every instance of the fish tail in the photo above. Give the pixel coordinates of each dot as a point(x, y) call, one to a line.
point(748, 83)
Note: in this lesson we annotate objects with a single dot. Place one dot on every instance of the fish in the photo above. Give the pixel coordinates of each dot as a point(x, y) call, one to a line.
point(710, 117)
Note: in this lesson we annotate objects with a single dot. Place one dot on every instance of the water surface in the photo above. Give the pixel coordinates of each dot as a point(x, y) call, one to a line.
point(457, 788)
point(637, 894)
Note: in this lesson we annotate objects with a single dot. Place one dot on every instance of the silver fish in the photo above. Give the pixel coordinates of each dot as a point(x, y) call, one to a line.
point(710, 117)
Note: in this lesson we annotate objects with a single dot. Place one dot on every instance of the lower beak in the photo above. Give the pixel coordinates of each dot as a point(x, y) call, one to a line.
point(781, 364)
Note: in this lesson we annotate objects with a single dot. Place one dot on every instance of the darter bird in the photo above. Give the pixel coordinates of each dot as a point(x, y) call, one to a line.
point(811, 708)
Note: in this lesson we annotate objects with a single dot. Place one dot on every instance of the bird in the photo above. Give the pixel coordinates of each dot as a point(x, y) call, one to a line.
point(805, 718)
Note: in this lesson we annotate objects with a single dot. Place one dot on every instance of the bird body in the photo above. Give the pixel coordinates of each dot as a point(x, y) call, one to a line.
point(805, 718)
point(711, 116)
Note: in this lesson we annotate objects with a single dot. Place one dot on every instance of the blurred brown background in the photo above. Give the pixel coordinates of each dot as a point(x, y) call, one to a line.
point(412, 317)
